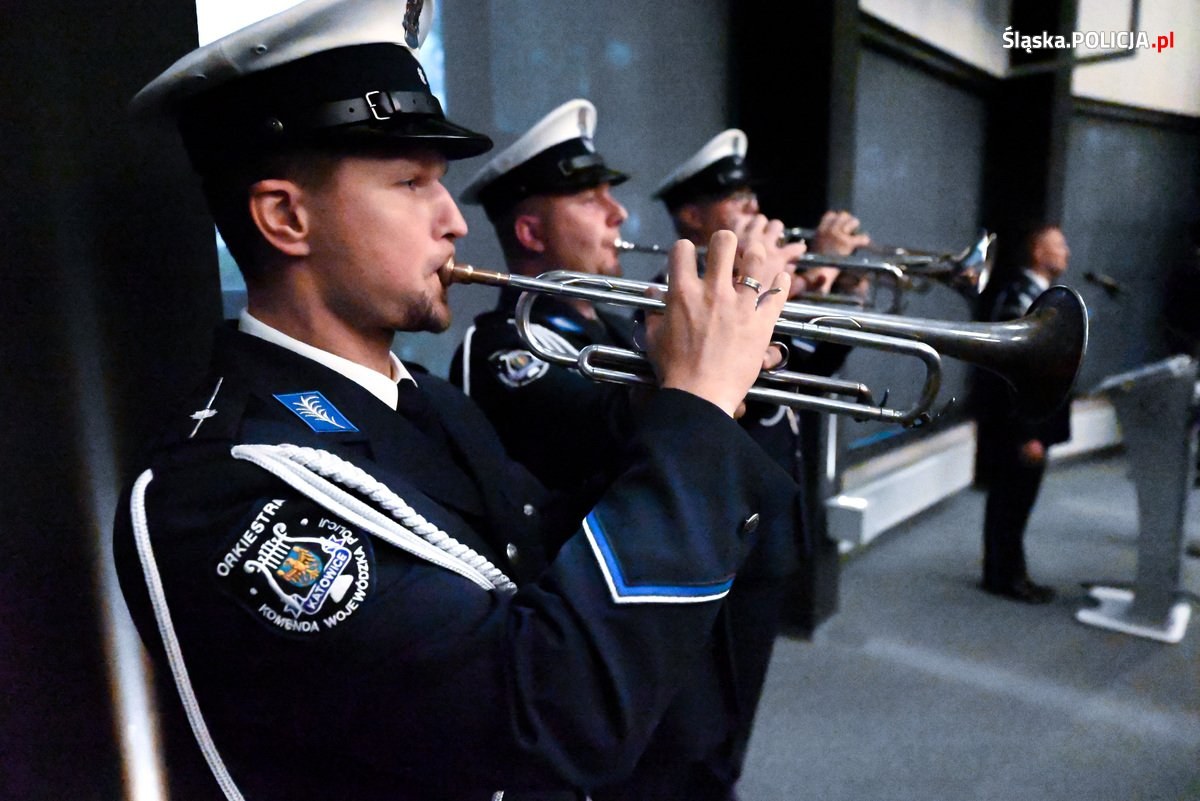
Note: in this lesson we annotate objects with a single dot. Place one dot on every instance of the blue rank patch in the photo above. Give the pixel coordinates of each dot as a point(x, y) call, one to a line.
point(624, 592)
point(314, 409)
point(565, 324)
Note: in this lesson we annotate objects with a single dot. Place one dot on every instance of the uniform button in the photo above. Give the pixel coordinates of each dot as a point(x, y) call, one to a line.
point(529, 510)
point(512, 553)
point(750, 524)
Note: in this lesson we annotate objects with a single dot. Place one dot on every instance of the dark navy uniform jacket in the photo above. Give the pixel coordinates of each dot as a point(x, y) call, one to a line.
point(773, 427)
point(567, 428)
point(366, 608)
point(562, 426)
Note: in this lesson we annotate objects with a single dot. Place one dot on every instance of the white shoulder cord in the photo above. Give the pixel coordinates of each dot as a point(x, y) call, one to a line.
point(783, 413)
point(166, 630)
point(307, 470)
point(445, 551)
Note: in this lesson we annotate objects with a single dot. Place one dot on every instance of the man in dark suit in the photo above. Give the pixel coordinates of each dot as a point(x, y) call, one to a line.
point(1012, 449)
point(355, 590)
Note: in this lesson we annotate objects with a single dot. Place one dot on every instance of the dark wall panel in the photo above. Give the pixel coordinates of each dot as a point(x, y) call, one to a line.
point(1132, 191)
point(917, 183)
point(656, 73)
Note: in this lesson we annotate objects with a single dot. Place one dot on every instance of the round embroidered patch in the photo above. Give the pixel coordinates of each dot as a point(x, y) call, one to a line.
point(298, 569)
point(516, 368)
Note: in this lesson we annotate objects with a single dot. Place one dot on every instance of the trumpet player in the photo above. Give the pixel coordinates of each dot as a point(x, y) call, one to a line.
point(714, 189)
point(329, 550)
point(549, 196)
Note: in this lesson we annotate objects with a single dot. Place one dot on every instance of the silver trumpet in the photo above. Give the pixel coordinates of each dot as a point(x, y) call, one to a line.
point(1038, 355)
point(893, 271)
point(966, 272)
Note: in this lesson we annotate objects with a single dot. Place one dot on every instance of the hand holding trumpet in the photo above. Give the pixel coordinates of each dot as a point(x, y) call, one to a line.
point(836, 235)
point(712, 335)
point(777, 250)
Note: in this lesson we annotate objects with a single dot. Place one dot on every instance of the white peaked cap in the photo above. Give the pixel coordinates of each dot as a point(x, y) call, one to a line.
point(557, 154)
point(730, 143)
point(310, 27)
point(336, 73)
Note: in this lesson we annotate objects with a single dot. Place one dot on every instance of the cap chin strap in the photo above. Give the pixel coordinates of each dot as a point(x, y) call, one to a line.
point(577, 164)
point(374, 106)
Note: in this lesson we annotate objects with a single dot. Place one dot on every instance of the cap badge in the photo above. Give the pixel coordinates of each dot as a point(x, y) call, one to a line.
point(421, 72)
point(412, 23)
point(583, 131)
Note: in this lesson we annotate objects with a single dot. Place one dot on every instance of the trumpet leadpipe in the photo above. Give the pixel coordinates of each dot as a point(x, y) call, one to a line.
point(560, 283)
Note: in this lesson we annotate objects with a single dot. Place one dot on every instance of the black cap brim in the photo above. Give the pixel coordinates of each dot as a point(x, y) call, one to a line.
point(414, 132)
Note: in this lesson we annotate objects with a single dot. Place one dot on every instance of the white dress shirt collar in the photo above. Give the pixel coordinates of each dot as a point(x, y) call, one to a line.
point(378, 384)
point(1042, 282)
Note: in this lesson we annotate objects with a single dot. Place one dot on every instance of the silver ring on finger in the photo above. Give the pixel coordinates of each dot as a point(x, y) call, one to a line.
point(746, 280)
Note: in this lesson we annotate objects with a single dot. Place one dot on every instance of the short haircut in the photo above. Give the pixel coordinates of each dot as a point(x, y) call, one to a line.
point(227, 191)
point(1035, 235)
point(505, 225)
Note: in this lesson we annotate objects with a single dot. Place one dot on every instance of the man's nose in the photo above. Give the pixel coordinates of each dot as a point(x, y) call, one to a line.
point(617, 213)
point(454, 224)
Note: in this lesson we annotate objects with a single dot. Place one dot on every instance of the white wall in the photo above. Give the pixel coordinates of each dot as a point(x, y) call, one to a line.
point(968, 29)
point(1166, 81)
point(972, 30)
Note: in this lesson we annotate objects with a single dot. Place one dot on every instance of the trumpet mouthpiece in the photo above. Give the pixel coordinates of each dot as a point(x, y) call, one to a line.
point(451, 273)
point(636, 247)
point(446, 272)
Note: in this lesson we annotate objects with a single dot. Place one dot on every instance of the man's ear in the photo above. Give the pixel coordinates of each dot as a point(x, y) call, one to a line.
point(278, 210)
point(528, 230)
point(687, 217)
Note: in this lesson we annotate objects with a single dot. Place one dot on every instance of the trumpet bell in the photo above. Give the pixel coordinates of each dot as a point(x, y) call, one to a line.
point(1043, 372)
